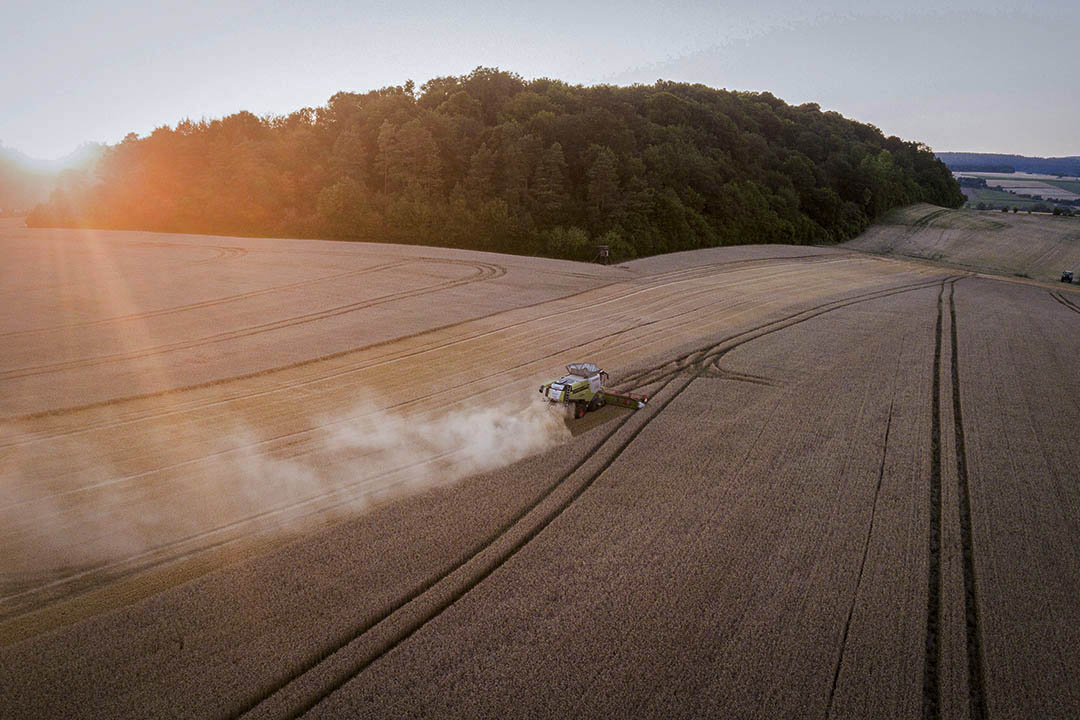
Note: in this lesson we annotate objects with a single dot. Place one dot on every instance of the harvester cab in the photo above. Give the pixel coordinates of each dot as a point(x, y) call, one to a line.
point(582, 387)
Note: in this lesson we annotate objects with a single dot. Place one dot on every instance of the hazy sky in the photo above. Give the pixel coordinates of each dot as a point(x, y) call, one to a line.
point(989, 76)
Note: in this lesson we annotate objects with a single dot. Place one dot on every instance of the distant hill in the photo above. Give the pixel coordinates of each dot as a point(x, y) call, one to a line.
point(21, 187)
point(490, 161)
point(25, 182)
point(990, 162)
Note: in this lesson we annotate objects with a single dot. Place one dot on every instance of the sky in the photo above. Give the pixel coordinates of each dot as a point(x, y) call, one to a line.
point(989, 76)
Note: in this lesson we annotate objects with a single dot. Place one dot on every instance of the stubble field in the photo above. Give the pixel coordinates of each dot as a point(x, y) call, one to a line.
point(312, 478)
point(1036, 247)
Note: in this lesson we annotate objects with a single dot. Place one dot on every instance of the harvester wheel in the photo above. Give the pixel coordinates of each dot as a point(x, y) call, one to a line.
point(579, 410)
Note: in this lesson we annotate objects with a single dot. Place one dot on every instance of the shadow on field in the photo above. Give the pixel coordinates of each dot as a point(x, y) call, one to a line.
point(592, 419)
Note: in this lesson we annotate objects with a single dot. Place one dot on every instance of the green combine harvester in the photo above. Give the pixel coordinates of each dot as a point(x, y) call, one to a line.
point(582, 387)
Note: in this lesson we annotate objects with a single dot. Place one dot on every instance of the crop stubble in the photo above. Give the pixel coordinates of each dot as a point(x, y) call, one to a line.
point(1029, 246)
point(757, 593)
point(1019, 392)
point(754, 543)
point(703, 357)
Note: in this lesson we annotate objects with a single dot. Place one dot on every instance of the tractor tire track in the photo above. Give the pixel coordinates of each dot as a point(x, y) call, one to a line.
point(221, 252)
point(678, 365)
point(511, 537)
point(865, 552)
point(929, 218)
point(931, 700)
point(976, 684)
point(715, 370)
point(485, 271)
point(204, 304)
point(1061, 299)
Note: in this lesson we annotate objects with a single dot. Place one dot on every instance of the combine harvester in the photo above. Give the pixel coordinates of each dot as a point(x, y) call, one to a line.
point(583, 387)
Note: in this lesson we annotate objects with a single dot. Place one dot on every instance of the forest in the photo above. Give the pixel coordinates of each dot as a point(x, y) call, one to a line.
point(491, 161)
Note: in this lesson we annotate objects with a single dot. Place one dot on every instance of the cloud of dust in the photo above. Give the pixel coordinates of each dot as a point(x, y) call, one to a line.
point(419, 450)
point(91, 518)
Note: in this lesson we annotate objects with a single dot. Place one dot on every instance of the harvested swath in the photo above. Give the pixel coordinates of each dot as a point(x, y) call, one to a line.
point(1033, 246)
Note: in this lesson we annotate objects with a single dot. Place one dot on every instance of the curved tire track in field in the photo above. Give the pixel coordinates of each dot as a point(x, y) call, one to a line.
point(430, 600)
point(716, 370)
point(227, 253)
point(484, 271)
point(681, 363)
point(928, 219)
point(224, 252)
point(1061, 299)
point(205, 303)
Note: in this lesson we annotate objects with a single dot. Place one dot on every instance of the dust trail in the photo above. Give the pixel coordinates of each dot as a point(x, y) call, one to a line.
point(419, 450)
point(68, 511)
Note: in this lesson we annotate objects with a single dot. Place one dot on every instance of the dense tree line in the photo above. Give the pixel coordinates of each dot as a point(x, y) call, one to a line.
point(494, 162)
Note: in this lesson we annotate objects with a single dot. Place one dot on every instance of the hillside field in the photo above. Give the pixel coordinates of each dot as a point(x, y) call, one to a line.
point(1019, 245)
point(274, 478)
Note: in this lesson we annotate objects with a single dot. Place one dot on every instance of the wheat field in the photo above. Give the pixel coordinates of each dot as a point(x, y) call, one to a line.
point(273, 478)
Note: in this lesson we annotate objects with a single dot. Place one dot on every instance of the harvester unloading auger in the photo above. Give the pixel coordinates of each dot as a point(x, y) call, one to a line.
point(583, 388)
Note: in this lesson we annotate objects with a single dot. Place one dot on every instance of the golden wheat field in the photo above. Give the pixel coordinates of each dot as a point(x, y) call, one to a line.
point(277, 478)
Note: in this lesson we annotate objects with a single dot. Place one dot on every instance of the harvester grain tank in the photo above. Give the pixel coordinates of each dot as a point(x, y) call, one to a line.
point(582, 387)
